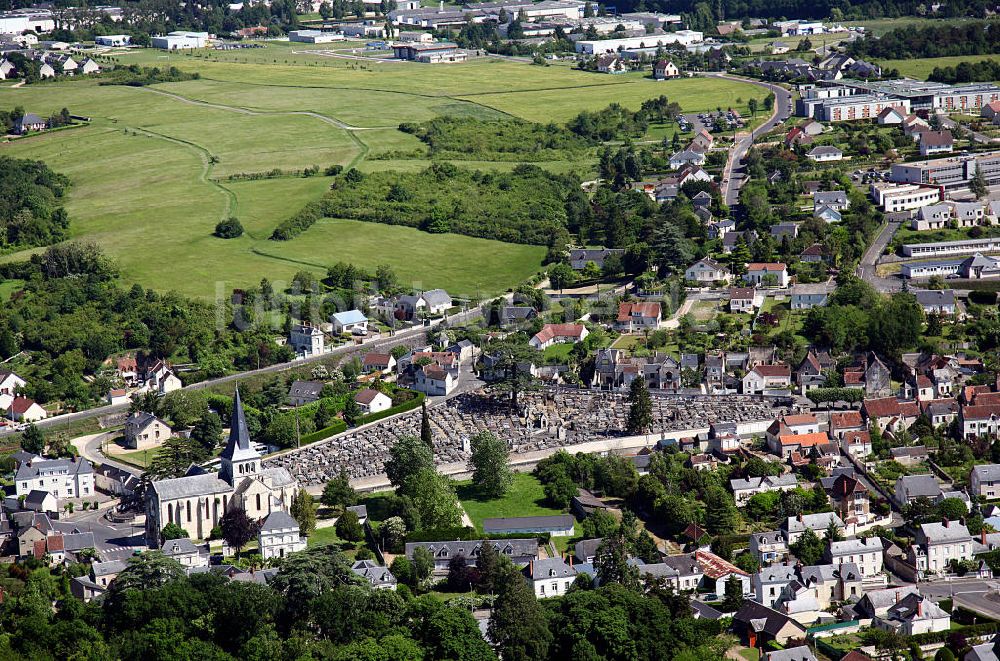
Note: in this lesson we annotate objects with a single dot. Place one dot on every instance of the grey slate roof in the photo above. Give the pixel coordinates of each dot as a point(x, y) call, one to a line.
point(513, 524)
point(375, 574)
point(815, 522)
point(107, 568)
point(550, 568)
point(587, 548)
point(190, 486)
point(38, 467)
point(829, 197)
point(77, 541)
point(939, 533)
point(987, 472)
point(238, 447)
point(942, 297)
point(279, 520)
point(800, 653)
point(435, 297)
point(180, 546)
point(914, 486)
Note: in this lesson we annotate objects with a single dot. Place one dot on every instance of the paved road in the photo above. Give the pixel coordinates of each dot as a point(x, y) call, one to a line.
point(114, 542)
point(383, 342)
point(732, 178)
point(867, 266)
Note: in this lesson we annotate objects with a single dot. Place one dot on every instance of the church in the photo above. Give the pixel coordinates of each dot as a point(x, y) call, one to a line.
point(197, 501)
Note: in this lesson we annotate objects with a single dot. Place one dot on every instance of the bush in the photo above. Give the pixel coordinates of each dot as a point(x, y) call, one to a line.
point(821, 395)
point(230, 228)
point(408, 405)
point(981, 297)
point(337, 427)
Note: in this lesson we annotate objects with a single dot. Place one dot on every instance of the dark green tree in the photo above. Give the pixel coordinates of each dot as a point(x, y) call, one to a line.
point(173, 531)
point(426, 435)
point(518, 627)
point(349, 528)
point(490, 459)
point(640, 411)
point(338, 492)
point(32, 440)
point(808, 548)
point(237, 528)
point(734, 595)
point(303, 510)
point(208, 431)
point(611, 562)
point(407, 457)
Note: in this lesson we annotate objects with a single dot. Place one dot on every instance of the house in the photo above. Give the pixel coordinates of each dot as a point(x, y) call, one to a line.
point(377, 363)
point(824, 154)
point(717, 571)
point(985, 481)
point(800, 653)
point(513, 315)
point(560, 525)
point(46, 71)
point(781, 230)
point(940, 543)
point(851, 499)
point(811, 295)
point(665, 69)
point(813, 254)
point(28, 122)
point(372, 401)
point(706, 271)
point(375, 575)
point(936, 142)
point(991, 110)
point(550, 577)
point(744, 489)
point(88, 66)
point(23, 409)
point(580, 257)
point(857, 444)
point(611, 63)
point(350, 321)
point(306, 339)
point(767, 377)
point(936, 301)
point(910, 487)
point(63, 478)
point(115, 481)
point(198, 500)
point(810, 374)
point(892, 116)
point(797, 136)
point(10, 383)
point(40, 501)
point(519, 551)
point(768, 546)
point(558, 334)
point(836, 199)
point(794, 526)
point(279, 536)
point(301, 393)
point(912, 615)
point(767, 274)
point(745, 299)
point(145, 430)
point(779, 47)
point(687, 157)
point(827, 214)
point(757, 625)
point(434, 380)
point(634, 317)
point(185, 552)
point(802, 423)
point(431, 302)
point(865, 553)
point(786, 445)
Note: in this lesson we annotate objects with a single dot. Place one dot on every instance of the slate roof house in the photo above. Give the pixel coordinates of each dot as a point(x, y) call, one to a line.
point(757, 625)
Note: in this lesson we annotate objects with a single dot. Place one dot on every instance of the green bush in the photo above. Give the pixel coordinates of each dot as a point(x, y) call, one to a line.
point(337, 427)
point(821, 395)
point(408, 405)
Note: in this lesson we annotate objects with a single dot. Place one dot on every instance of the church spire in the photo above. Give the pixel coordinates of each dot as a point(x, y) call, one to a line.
point(238, 457)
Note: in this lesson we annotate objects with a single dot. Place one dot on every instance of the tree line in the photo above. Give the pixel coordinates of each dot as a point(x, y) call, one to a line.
point(974, 38)
point(31, 211)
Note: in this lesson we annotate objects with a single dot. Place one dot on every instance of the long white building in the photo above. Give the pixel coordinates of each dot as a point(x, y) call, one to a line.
point(683, 37)
point(63, 478)
point(952, 248)
point(892, 198)
point(951, 173)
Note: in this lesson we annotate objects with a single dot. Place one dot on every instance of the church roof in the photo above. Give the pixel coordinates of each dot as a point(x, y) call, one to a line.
point(238, 447)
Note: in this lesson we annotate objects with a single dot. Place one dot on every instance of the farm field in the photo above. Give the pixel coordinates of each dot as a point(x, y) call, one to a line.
point(151, 172)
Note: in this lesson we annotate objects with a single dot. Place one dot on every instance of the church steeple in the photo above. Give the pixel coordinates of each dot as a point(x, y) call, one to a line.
point(239, 458)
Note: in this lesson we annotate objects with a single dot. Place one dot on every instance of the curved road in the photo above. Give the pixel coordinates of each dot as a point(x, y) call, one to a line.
point(732, 180)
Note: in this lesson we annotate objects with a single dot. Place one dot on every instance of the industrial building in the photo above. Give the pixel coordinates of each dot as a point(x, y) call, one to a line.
point(948, 173)
point(682, 37)
point(180, 39)
point(893, 198)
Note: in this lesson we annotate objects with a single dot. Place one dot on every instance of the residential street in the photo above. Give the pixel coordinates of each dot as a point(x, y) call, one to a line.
point(866, 268)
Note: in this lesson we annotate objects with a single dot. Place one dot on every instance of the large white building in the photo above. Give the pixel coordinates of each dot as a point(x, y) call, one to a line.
point(63, 478)
point(597, 46)
point(279, 536)
point(197, 501)
point(180, 39)
point(892, 198)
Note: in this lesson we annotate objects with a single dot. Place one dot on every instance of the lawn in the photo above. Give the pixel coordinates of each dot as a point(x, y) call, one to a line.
point(922, 67)
point(526, 498)
point(150, 173)
point(704, 310)
point(558, 352)
point(8, 287)
point(323, 537)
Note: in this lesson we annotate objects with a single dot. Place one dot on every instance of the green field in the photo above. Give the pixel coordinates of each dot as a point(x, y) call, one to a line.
point(525, 498)
point(150, 173)
point(922, 67)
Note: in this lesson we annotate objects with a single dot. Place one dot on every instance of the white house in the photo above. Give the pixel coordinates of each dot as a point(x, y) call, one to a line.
point(767, 377)
point(706, 271)
point(939, 543)
point(806, 296)
point(279, 536)
point(745, 299)
point(10, 383)
point(373, 401)
point(23, 409)
point(767, 274)
point(558, 334)
point(431, 302)
point(985, 481)
point(745, 489)
point(145, 430)
point(824, 154)
point(306, 339)
point(63, 478)
point(549, 577)
point(664, 69)
point(434, 380)
point(865, 553)
point(185, 552)
point(349, 321)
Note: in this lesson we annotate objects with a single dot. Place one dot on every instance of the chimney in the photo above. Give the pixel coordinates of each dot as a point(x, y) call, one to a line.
point(982, 537)
point(897, 596)
point(944, 522)
point(571, 559)
point(800, 517)
point(961, 521)
point(531, 567)
point(920, 607)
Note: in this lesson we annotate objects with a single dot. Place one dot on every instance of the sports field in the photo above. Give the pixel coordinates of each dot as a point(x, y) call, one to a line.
point(151, 172)
point(922, 67)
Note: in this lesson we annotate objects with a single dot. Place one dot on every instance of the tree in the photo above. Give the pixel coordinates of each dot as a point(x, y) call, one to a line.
point(402, 569)
point(490, 459)
point(808, 548)
point(230, 228)
point(518, 627)
point(459, 574)
point(560, 491)
point(338, 492)
point(721, 515)
point(488, 566)
point(385, 278)
point(32, 440)
point(599, 523)
point(611, 562)
point(640, 411)
point(303, 510)
point(834, 532)
point(561, 276)
point(147, 571)
point(734, 595)
point(208, 431)
point(978, 185)
point(426, 435)
point(393, 532)
point(752, 106)
point(349, 527)
point(352, 411)
point(423, 562)
point(952, 509)
point(173, 531)
point(407, 458)
point(435, 500)
point(174, 457)
point(237, 528)
point(508, 377)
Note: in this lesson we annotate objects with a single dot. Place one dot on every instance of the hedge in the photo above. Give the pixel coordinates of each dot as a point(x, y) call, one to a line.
point(820, 395)
point(408, 405)
point(970, 631)
point(466, 534)
point(338, 427)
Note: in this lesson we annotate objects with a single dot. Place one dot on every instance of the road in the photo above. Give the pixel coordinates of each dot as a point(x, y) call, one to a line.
point(867, 266)
point(113, 541)
point(386, 342)
point(732, 179)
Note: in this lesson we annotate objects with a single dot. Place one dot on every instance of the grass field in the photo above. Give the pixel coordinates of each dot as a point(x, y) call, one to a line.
point(922, 67)
point(150, 172)
point(8, 287)
point(526, 498)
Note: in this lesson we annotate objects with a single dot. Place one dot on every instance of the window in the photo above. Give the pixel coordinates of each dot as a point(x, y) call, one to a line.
point(258, 502)
point(555, 586)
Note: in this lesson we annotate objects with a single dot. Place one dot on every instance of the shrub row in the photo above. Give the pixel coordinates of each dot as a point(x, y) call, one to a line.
point(821, 395)
point(337, 427)
point(408, 405)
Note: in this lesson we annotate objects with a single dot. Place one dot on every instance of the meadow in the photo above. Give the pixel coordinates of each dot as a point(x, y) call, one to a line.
point(151, 171)
point(922, 67)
